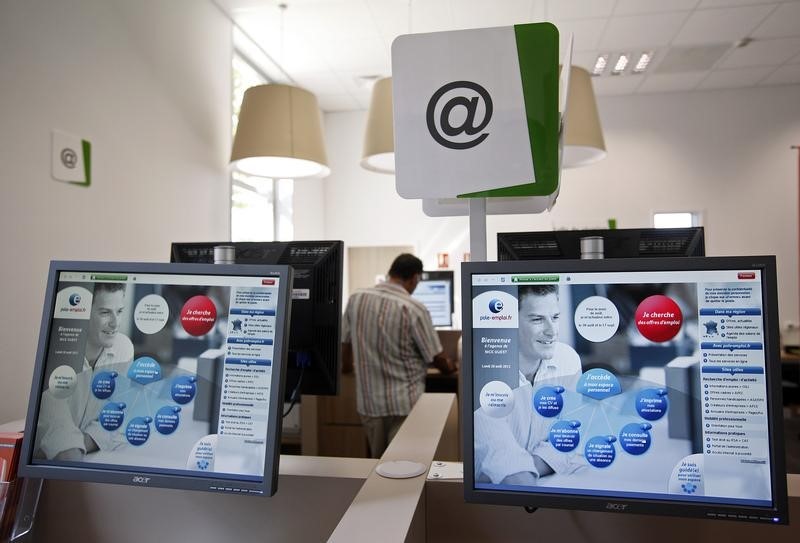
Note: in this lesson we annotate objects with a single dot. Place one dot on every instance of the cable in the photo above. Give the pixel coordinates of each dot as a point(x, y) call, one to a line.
point(295, 393)
point(253, 41)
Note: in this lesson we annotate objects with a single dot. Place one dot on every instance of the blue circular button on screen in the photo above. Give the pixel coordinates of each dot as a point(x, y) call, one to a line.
point(111, 416)
point(651, 403)
point(598, 384)
point(184, 389)
point(138, 431)
point(103, 384)
point(634, 438)
point(564, 435)
point(167, 419)
point(547, 401)
point(600, 452)
point(144, 370)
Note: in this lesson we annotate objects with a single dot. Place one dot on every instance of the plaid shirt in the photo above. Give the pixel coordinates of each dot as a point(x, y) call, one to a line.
point(393, 342)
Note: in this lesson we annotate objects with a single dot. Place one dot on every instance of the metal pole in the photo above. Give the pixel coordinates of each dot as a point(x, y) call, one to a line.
point(477, 229)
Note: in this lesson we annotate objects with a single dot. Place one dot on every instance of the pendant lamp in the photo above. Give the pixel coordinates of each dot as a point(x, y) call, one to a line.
point(280, 134)
point(378, 155)
point(583, 139)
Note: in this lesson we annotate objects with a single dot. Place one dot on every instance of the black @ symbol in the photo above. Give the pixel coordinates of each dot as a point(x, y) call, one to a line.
point(69, 158)
point(470, 101)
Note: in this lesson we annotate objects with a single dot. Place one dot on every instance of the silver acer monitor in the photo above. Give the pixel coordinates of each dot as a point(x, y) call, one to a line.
point(625, 385)
point(116, 396)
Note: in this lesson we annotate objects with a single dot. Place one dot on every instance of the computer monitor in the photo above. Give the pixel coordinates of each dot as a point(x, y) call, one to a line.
point(435, 290)
point(110, 402)
point(315, 335)
point(696, 435)
point(617, 243)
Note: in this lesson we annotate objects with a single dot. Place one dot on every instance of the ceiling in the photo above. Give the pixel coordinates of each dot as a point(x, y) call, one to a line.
point(335, 47)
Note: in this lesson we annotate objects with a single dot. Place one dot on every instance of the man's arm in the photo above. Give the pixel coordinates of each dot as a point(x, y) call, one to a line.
point(56, 431)
point(529, 478)
point(70, 455)
point(76, 454)
point(444, 364)
point(499, 456)
point(89, 445)
point(522, 478)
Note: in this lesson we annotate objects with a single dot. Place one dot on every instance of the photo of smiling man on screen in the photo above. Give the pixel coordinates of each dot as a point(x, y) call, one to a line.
point(513, 449)
point(68, 426)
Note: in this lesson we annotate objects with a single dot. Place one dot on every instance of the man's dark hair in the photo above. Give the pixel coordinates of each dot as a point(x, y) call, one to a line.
point(108, 287)
point(537, 290)
point(405, 266)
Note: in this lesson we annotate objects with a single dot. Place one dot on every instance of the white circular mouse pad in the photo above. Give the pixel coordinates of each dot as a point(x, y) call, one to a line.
point(400, 469)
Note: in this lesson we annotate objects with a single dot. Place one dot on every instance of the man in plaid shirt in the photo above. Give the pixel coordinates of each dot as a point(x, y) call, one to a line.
point(389, 339)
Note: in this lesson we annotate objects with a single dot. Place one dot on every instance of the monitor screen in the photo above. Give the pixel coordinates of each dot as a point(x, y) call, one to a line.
point(639, 385)
point(315, 335)
point(435, 290)
point(114, 398)
point(617, 243)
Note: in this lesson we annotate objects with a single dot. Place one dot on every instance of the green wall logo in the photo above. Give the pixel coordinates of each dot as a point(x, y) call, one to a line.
point(476, 112)
point(72, 159)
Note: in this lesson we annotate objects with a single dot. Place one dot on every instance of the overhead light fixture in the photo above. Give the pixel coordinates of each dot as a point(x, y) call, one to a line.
point(280, 134)
point(378, 155)
point(600, 65)
point(583, 135)
point(622, 63)
point(643, 62)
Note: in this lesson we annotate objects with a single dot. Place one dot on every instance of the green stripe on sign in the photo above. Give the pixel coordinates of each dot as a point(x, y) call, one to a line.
point(108, 277)
point(537, 49)
point(87, 163)
point(534, 278)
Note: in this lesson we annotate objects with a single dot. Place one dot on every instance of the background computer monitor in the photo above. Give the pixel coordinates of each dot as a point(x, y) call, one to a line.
point(698, 435)
point(106, 405)
point(315, 334)
point(617, 243)
point(436, 291)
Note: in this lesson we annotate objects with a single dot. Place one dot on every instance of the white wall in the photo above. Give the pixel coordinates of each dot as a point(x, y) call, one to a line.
point(725, 153)
point(148, 83)
point(308, 208)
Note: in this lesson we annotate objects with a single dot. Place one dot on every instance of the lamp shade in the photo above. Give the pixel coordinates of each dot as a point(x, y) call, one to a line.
point(583, 137)
point(280, 134)
point(378, 155)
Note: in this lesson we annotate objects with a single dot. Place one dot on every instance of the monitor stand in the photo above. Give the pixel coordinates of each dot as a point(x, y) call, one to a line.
point(26, 504)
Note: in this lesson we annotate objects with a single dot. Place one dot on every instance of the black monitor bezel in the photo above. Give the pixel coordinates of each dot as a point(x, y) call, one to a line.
point(446, 275)
point(314, 379)
point(568, 242)
point(141, 476)
point(636, 505)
